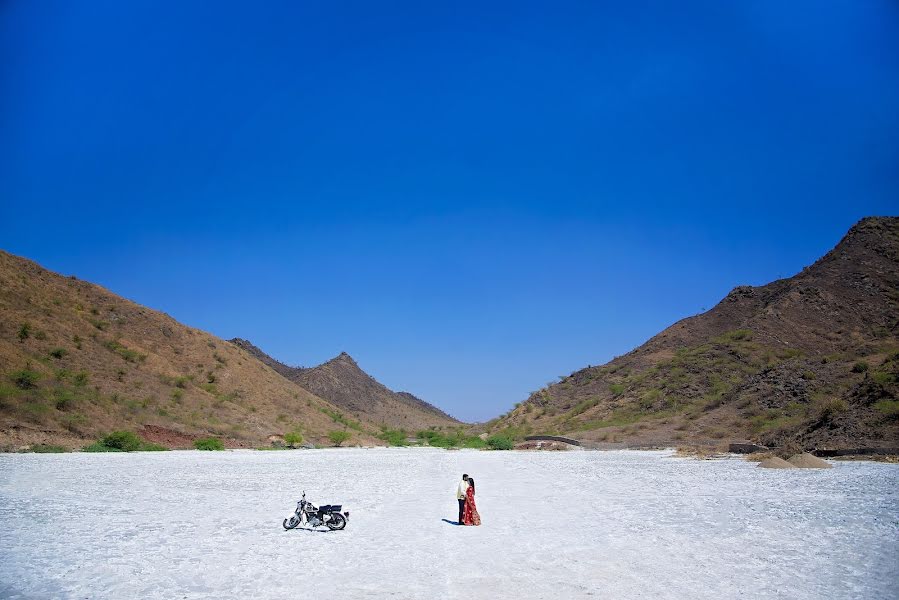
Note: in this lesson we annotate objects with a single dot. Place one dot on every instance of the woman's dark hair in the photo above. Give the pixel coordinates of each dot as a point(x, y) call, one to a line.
point(471, 484)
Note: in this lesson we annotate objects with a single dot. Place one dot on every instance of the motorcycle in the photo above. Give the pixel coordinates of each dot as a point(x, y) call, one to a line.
point(328, 516)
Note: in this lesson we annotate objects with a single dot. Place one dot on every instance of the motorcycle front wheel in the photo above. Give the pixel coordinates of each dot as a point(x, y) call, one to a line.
point(336, 522)
point(291, 522)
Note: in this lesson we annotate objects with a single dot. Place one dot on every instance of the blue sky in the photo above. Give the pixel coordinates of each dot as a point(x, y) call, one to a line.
point(470, 198)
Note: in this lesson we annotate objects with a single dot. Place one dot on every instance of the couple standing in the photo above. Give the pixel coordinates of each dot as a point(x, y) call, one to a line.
point(468, 511)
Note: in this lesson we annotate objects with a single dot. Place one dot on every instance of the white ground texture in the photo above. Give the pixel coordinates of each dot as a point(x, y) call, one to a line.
point(555, 525)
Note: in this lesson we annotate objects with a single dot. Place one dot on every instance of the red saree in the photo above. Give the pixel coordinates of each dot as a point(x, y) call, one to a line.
point(470, 515)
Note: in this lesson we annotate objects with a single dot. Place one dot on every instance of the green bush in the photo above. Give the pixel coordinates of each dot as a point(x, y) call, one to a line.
point(882, 377)
point(81, 378)
point(338, 437)
point(473, 442)
point(210, 443)
point(35, 410)
point(24, 332)
point(126, 353)
point(63, 398)
point(860, 367)
point(500, 442)
point(342, 420)
point(788, 353)
point(617, 389)
point(649, 399)
point(432, 438)
point(25, 379)
point(58, 352)
point(46, 449)
point(151, 447)
point(456, 439)
point(584, 406)
point(7, 393)
point(738, 335)
point(73, 422)
point(293, 439)
point(393, 437)
point(890, 408)
point(99, 447)
point(125, 441)
point(832, 407)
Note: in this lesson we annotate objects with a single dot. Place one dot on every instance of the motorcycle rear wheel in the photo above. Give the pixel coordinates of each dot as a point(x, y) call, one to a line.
point(292, 522)
point(336, 522)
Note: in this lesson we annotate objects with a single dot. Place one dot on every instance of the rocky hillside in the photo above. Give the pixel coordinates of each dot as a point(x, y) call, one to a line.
point(812, 360)
point(77, 361)
point(343, 383)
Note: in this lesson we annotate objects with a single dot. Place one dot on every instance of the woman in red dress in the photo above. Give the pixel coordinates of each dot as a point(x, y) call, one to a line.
point(470, 516)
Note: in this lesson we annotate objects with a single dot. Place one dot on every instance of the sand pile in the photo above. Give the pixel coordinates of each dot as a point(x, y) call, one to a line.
point(809, 461)
point(775, 462)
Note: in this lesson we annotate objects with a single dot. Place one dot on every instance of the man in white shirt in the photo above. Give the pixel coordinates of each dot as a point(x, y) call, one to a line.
point(460, 495)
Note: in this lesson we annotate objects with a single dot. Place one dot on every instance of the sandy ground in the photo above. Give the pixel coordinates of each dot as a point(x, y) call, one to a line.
point(617, 525)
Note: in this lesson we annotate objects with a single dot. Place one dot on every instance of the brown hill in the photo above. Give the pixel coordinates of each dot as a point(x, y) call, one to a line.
point(77, 361)
point(343, 383)
point(812, 361)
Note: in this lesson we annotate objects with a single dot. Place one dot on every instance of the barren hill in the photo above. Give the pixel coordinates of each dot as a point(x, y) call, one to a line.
point(77, 361)
point(343, 383)
point(812, 360)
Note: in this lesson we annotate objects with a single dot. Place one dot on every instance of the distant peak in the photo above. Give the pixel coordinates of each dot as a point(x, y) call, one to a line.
point(343, 358)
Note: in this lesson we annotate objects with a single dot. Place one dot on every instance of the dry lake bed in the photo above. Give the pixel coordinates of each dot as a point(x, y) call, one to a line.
point(555, 525)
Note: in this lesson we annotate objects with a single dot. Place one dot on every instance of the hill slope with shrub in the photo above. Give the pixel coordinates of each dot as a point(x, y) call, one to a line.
point(77, 362)
point(812, 361)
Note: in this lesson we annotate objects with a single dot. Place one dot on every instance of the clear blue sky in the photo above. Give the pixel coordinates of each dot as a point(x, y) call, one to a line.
point(469, 198)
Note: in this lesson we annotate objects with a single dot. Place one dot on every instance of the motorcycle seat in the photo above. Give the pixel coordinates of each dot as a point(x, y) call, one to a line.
point(331, 508)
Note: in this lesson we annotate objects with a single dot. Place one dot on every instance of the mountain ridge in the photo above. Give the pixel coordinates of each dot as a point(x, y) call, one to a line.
point(341, 381)
point(810, 360)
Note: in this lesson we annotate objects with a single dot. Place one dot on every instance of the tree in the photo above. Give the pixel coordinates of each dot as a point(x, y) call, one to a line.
point(293, 439)
point(338, 437)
